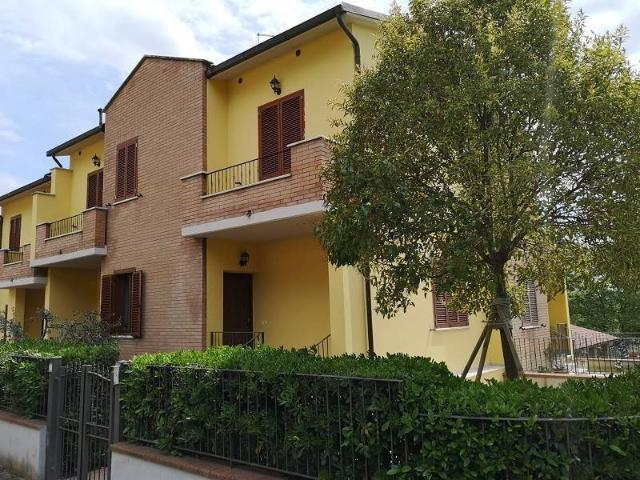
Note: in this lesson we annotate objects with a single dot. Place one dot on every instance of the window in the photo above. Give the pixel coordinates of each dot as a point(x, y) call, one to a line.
point(127, 170)
point(121, 303)
point(94, 189)
point(280, 123)
point(530, 317)
point(444, 316)
point(15, 226)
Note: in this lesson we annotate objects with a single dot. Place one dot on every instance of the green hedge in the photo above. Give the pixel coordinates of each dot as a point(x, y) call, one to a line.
point(24, 370)
point(275, 416)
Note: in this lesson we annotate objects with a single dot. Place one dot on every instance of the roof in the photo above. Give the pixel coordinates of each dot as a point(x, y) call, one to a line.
point(151, 57)
point(25, 188)
point(585, 337)
point(62, 148)
point(326, 16)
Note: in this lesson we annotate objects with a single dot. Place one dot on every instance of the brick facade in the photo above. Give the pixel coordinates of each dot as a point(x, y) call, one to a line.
point(20, 269)
point(93, 234)
point(301, 186)
point(163, 105)
point(529, 340)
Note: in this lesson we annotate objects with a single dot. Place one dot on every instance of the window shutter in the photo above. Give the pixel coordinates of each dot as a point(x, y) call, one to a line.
point(445, 317)
point(136, 304)
point(269, 133)
point(292, 126)
point(92, 190)
point(106, 299)
point(132, 170)
point(531, 305)
point(99, 182)
point(121, 166)
point(440, 311)
point(14, 233)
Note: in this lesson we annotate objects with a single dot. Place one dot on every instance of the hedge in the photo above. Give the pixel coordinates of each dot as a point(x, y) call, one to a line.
point(24, 370)
point(286, 410)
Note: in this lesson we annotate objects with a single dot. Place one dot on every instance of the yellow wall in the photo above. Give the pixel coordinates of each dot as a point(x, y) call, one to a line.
point(71, 291)
point(290, 288)
point(34, 302)
point(347, 311)
point(81, 165)
point(324, 66)
point(18, 206)
point(559, 309)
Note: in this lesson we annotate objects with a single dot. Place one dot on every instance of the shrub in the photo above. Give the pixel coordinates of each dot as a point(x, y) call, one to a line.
point(288, 409)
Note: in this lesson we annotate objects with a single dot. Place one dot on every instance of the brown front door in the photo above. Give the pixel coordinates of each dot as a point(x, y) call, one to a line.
point(237, 308)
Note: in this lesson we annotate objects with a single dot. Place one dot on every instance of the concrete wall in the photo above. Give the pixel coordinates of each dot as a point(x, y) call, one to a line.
point(22, 446)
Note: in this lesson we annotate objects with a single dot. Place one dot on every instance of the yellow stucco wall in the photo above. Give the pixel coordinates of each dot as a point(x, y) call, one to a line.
point(559, 309)
point(21, 205)
point(290, 288)
point(71, 291)
point(347, 311)
point(34, 302)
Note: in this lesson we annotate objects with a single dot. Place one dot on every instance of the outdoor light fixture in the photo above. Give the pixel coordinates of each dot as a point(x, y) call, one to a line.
point(96, 160)
point(244, 258)
point(275, 85)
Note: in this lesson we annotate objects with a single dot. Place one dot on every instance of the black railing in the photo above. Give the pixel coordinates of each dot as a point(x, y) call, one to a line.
point(593, 354)
point(13, 256)
point(246, 339)
point(65, 226)
point(249, 172)
point(308, 426)
point(322, 348)
point(25, 391)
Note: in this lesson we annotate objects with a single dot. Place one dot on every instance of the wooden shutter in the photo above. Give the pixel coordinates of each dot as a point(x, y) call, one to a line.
point(269, 133)
point(99, 188)
point(444, 316)
point(94, 189)
point(292, 128)
point(531, 306)
point(121, 167)
point(132, 169)
point(440, 311)
point(14, 233)
point(106, 299)
point(136, 304)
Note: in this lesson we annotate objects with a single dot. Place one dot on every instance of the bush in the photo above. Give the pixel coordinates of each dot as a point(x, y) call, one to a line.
point(105, 355)
point(263, 407)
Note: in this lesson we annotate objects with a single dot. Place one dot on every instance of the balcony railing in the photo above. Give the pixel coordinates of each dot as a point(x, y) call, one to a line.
point(248, 173)
point(65, 226)
point(13, 256)
point(245, 339)
point(322, 348)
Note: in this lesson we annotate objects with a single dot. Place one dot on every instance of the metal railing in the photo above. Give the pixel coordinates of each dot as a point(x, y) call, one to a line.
point(579, 354)
point(251, 422)
point(26, 399)
point(322, 348)
point(245, 339)
point(13, 256)
point(65, 226)
point(249, 172)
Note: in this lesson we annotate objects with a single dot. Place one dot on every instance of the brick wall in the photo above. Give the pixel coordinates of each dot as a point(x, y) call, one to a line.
point(304, 185)
point(531, 342)
point(94, 223)
point(164, 106)
point(17, 269)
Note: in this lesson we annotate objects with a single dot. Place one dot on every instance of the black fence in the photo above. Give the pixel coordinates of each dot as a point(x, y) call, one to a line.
point(593, 354)
point(246, 339)
point(24, 384)
point(65, 226)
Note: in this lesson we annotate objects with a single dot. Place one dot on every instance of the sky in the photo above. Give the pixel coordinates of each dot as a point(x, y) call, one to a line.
point(62, 59)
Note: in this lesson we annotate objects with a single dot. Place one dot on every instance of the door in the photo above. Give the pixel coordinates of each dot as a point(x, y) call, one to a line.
point(237, 308)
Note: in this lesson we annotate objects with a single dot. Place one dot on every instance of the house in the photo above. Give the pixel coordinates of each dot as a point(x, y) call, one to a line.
point(187, 218)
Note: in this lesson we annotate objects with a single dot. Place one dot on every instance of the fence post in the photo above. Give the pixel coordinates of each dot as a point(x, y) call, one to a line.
point(116, 402)
point(53, 401)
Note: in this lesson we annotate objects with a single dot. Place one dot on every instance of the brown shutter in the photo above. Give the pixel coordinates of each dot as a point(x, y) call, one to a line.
point(92, 190)
point(440, 310)
point(132, 169)
point(14, 233)
point(531, 305)
point(100, 176)
point(292, 126)
point(136, 304)
point(106, 299)
point(121, 166)
point(445, 317)
point(269, 140)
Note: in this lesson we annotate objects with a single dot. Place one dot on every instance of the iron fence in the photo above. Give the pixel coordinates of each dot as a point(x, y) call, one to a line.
point(13, 256)
point(302, 425)
point(24, 390)
point(247, 339)
point(604, 354)
point(322, 348)
point(65, 226)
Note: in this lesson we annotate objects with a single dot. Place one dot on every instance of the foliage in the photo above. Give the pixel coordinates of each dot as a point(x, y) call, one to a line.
point(13, 330)
point(493, 143)
point(268, 409)
point(87, 328)
point(605, 309)
point(106, 354)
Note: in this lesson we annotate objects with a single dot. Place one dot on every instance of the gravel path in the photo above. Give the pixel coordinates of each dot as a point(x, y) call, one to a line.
point(4, 475)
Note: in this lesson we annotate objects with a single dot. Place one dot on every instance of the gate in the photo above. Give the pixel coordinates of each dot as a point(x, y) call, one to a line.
point(79, 444)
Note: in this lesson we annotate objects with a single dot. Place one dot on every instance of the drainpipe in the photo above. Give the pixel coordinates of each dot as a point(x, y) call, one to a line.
point(367, 298)
point(56, 160)
point(354, 40)
point(100, 122)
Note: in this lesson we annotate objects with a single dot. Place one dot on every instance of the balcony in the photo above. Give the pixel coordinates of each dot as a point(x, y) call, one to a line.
point(262, 199)
point(16, 271)
point(74, 242)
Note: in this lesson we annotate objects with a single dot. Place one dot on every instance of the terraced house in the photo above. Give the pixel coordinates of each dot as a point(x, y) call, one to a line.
point(187, 217)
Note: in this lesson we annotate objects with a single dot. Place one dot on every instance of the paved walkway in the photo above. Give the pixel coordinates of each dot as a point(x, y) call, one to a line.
point(4, 475)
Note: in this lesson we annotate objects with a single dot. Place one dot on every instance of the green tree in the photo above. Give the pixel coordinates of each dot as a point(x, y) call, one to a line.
point(605, 309)
point(494, 143)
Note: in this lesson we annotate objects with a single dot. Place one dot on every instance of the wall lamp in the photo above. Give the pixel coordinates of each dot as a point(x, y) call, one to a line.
point(244, 258)
point(96, 160)
point(275, 85)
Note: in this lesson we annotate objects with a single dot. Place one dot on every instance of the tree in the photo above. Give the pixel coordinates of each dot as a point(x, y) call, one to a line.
point(492, 144)
point(605, 309)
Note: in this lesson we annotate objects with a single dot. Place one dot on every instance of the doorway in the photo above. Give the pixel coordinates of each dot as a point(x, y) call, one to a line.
point(237, 308)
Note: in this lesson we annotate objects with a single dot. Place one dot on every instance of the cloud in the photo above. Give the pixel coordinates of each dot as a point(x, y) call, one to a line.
point(8, 133)
point(9, 182)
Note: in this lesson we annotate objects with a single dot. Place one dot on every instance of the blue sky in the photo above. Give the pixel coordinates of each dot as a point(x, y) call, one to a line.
point(62, 59)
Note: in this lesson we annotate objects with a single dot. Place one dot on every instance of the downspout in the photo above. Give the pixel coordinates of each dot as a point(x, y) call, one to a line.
point(354, 40)
point(367, 297)
point(56, 160)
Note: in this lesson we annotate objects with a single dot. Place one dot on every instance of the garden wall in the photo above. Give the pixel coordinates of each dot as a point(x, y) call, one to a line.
point(23, 445)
